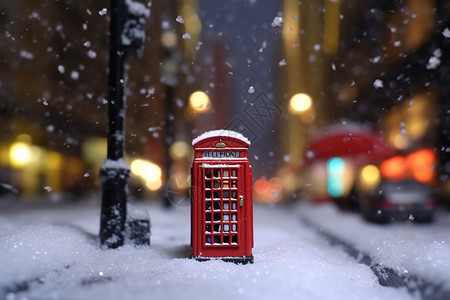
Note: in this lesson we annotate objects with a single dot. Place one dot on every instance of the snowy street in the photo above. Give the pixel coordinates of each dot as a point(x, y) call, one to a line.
point(54, 253)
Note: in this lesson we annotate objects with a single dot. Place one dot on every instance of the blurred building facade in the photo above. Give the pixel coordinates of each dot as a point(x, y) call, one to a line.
point(380, 64)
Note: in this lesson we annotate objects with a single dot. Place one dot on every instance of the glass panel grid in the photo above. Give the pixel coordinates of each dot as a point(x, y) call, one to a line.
point(221, 207)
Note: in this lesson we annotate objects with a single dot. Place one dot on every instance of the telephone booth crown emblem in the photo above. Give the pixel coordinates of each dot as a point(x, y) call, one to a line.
point(221, 196)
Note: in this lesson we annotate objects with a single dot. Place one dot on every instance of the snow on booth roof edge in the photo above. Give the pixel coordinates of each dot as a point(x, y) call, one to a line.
point(220, 132)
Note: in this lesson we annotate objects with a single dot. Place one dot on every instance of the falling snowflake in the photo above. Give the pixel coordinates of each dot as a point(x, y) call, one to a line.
point(74, 75)
point(446, 33)
point(50, 128)
point(25, 54)
point(92, 54)
point(277, 21)
point(434, 60)
point(375, 60)
point(378, 84)
point(251, 90)
point(186, 36)
point(282, 62)
point(180, 19)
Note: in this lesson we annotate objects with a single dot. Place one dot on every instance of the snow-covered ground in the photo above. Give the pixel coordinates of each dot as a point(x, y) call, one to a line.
point(56, 251)
point(409, 248)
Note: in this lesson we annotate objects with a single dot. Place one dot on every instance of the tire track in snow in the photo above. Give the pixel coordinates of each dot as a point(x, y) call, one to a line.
point(387, 276)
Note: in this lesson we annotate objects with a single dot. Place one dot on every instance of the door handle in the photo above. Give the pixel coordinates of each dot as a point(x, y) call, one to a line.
point(241, 201)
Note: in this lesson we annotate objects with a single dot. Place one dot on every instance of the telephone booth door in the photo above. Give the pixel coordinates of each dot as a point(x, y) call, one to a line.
point(222, 210)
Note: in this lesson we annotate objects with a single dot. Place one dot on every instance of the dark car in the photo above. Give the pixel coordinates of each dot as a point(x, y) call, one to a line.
point(399, 200)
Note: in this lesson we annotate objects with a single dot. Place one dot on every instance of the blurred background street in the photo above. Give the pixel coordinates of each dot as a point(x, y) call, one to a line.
point(282, 73)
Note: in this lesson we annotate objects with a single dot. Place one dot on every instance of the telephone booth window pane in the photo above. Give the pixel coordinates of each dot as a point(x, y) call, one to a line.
point(226, 194)
point(226, 227)
point(226, 206)
point(216, 173)
point(217, 217)
point(208, 173)
point(207, 205)
point(234, 194)
point(234, 184)
point(217, 239)
point(208, 194)
point(226, 173)
point(234, 206)
point(234, 227)
point(226, 184)
point(226, 239)
point(217, 184)
point(234, 239)
point(233, 217)
point(216, 195)
point(216, 205)
point(208, 227)
point(208, 217)
point(226, 217)
point(233, 173)
point(208, 239)
point(217, 228)
point(208, 184)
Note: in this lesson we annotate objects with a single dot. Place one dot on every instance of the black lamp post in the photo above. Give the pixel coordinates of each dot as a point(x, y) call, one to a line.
point(126, 40)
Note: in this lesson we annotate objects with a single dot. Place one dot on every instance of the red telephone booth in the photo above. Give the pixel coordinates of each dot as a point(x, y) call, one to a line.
point(222, 208)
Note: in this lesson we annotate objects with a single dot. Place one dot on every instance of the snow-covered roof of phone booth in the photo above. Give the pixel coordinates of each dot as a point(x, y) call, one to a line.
point(220, 132)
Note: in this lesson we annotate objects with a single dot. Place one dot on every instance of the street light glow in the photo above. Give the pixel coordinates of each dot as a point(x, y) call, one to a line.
point(200, 102)
point(179, 150)
point(300, 103)
point(149, 172)
point(20, 154)
point(370, 175)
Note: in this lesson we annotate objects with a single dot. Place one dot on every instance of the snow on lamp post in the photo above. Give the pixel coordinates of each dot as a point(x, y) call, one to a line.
point(127, 38)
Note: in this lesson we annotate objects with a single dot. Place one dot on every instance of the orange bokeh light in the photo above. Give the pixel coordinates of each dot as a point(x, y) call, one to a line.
point(261, 186)
point(421, 164)
point(394, 168)
point(417, 165)
point(268, 191)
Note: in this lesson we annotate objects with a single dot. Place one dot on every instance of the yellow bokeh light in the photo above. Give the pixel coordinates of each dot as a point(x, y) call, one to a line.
point(148, 171)
point(25, 138)
point(199, 102)
point(300, 103)
point(169, 39)
point(154, 184)
point(179, 150)
point(20, 154)
point(370, 175)
point(401, 142)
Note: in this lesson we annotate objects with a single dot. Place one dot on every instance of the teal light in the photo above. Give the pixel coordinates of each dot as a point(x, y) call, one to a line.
point(335, 176)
